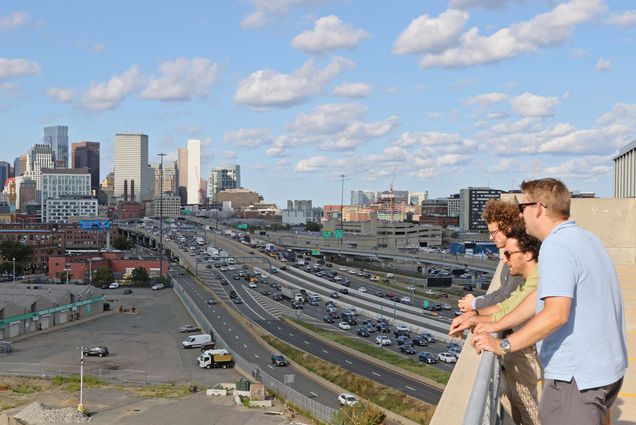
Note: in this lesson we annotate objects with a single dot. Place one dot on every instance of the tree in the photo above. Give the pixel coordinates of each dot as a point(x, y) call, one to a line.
point(122, 243)
point(139, 276)
point(10, 249)
point(102, 276)
point(61, 276)
point(312, 227)
point(360, 413)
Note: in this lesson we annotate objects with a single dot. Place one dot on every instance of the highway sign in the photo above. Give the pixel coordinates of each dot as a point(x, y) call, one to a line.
point(242, 227)
point(315, 252)
point(339, 233)
point(326, 234)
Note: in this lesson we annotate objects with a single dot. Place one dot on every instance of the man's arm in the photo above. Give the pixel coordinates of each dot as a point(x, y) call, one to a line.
point(508, 284)
point(524, 312)
point(555, 314)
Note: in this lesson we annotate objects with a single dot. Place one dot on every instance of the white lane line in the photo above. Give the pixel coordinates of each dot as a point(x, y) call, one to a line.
point(375, 373)
point(407, 387)
point(348, 361)
point(244, 345)
point(313, 393)
point(306, 342)
point(256, 355)
point(325, 351)
point(278, 327)
point(270, 366)
point(236, 336)
point(291, 334)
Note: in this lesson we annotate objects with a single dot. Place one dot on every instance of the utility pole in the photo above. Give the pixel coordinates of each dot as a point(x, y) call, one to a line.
point(161, 214)
point(342, 176)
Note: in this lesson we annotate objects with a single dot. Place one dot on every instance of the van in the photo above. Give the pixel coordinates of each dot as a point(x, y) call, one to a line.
point(113, 285)
point(194, 341)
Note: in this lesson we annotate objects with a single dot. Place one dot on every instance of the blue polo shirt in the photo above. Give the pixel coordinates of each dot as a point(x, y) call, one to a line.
point(591, 347)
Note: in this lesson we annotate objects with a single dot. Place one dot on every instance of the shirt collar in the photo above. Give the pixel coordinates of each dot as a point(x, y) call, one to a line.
point(563, 225)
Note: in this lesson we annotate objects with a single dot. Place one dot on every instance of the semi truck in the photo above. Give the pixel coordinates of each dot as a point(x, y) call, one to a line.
point(212, 251)
point(215, 359)
point(199, 240)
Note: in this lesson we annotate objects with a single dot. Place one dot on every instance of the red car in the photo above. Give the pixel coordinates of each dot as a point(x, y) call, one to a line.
point(390, 295)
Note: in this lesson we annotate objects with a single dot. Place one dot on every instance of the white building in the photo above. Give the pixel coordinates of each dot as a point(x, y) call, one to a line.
point(625, 172)
point(224, 178)
point(131, 167)
point(194, 171)
point(39, 157)
point(416, 198)
point(66, 193)
point(171, 206)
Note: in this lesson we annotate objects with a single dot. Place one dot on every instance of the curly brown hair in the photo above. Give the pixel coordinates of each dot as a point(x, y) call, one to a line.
point(504, 214)
point(526, 242)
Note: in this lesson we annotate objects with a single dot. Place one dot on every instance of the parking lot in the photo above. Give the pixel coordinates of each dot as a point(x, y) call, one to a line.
point(144, 346)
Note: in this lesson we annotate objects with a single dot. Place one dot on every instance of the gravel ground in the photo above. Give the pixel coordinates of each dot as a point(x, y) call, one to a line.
point(38, 413)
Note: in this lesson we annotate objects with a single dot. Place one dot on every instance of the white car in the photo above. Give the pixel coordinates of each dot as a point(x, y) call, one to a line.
point(113, 285)
point(430, 292)
point(352, 271)
point(344, 325)
point(158, 286)
point(347, 399)
point(342, 269)
point(402, 328)
point(382, 340)
point(362, 289)
point(447, 358)
point(252, 285)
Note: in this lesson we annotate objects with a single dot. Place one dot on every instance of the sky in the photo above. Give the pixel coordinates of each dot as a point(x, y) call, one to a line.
point(428, 96)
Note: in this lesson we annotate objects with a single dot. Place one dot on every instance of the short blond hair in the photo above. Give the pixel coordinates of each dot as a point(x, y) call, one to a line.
point(552, 193)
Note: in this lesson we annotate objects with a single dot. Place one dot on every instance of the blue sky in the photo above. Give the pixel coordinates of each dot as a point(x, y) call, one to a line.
point(455, 93)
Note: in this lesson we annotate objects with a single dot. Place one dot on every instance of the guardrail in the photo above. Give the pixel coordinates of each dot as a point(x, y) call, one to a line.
point(319, 411)
point(484, 407)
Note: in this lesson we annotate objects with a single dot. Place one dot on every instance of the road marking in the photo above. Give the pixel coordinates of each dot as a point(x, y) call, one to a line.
point(325, 351)
point(348, 361)
point(236, 336)
point(278, 327)
point(407, 387)
point(256, 355)
point(375, 373)
point(244, 345)
point(306, 342)
point(270, 366)
point(313, 393)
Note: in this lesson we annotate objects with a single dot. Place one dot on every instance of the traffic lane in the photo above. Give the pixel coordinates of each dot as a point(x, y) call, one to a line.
point(242, 343)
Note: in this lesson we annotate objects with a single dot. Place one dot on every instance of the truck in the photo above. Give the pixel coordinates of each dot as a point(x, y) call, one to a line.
point(270, 247)
point(223, 254)
point(199, 240)
point(287, 292)
point(215, 359)
point(212, 251)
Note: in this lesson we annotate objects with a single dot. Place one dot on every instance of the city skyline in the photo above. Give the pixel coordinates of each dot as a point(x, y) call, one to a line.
point(457, 93)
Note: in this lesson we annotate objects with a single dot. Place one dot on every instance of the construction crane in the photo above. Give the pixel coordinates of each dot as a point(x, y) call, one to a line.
point(391, 194)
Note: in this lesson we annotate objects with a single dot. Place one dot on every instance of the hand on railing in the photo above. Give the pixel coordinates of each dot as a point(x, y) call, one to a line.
point(487, 342)
point(461, 323)
point(466, 304)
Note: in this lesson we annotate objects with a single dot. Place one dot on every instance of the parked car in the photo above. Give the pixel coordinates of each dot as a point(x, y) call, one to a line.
point(363, 331)
point(427, 357)
point(382, 340)
point(100, 351)
point(113, 285)
point(188, 328)
point(279, 360)
point(407, 349)
point(344, 325)
point(158, 287)
point(127, 291)
point(347, 399)
point(446, 358)
point(211, 301)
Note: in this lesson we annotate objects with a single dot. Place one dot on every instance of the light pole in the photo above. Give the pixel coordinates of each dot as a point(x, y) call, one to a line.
point(161, 214)
point(342, 176)
point(90, 271)
point(80, 406)
point(67, 270)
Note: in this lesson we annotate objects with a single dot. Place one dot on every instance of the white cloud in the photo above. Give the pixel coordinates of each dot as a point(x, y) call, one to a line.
point(487, 4)
point(13, 21)
point(452, 159)
point(108, 95)
point(352, 90)
point(431, 35)
point(248, 137)
point(229, 155)
point(434, 115)
point(577, 53)
point(182, 79)
point(585, 168)
point(429, 138)
point(603, 64)
point(268, 88)
point(328, 119)
point(313, 164)
point(392, 90)
point(545, 30)
point(357, 134)
point(496, 115)
point(329, 33)
point(532, 105)
point(625, 19)
point(17, 67)
point(60, 94)
point(501, 165)
point(487, 99)
point(622, 114)
point(266, 10)
point(10, 89)
point(98, 47)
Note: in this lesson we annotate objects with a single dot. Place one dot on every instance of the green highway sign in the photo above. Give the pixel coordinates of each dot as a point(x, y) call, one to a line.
point(315, 252)
point(326, 234)
point(242, 226)
point(339, 234)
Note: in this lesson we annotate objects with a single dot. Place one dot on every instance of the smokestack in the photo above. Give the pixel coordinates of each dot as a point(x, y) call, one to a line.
point(125, 190)
point(132, 191)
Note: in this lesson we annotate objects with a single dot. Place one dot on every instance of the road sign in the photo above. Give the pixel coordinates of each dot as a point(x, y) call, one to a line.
point(315, 252)
point(326, 234)
point(339, 233)
point(426, 304)
point(242, 227)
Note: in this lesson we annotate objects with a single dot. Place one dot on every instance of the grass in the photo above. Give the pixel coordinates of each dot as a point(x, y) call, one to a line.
point(386, 397)
point(72, 383)
point(394, 359)
point(163, 391)
point(24, 387)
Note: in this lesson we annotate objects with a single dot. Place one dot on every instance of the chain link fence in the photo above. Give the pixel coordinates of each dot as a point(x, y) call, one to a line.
point(318, 410)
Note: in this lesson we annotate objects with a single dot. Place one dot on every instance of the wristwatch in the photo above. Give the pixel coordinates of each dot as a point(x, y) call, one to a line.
point(505, 346)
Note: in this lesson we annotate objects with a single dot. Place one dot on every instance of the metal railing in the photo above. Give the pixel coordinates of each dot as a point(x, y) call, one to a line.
point(318, 410)
point(483, 406)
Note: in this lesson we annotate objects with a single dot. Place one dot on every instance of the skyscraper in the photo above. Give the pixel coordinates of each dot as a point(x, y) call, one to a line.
point(19, 165)
point(5, 173)
point(38, 157)
point(472, 201)
point(131, 167)
point(224, 178)
point(86, 155)
point(56, 137)
point(194, 171)
point(169, 179)
point(362, 197)
point(182, 175)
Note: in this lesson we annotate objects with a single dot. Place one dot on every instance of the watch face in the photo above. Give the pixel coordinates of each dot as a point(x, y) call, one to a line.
point(505, 346)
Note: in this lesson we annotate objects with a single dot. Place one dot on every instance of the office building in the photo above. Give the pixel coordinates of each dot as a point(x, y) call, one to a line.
point(86, 155)
point(182, 175)
point(453, 205)
point(224, 178)
point(56, 137)
point(194, 172)
point(38, 157)
point(5, 173)
point(300, 212)
point(133, 175)
point(169, 179)
point(26, 193)
point(472, 201)
point(625, 172)
point(19, 165)
point(66, 194)
point(416, 198)
point(171, 206)
point(362, 198)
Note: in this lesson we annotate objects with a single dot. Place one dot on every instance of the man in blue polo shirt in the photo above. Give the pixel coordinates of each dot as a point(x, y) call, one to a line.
point(579, 326)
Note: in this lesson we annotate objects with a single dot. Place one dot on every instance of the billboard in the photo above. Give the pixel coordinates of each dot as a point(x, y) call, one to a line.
point(95, 224)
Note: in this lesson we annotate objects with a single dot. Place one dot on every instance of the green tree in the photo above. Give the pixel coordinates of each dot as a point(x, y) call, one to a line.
point(360, 413)
point(312, 227)
point(10, 249)
point(122, 243)
point(139, 276)
point(61, 276)
point(103, 275)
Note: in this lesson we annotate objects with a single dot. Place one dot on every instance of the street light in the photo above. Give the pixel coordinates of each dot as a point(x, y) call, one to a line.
point(80, 406)
point(90, 271)
point(13, 269)
point(161, 214)
point(342, 176)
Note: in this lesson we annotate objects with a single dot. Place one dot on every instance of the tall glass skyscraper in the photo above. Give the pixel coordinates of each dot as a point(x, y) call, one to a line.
point(223, 178)
point(86, 155)
point(56, 137)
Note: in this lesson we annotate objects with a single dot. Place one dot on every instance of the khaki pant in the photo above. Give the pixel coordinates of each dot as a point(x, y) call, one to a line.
point(522, 385)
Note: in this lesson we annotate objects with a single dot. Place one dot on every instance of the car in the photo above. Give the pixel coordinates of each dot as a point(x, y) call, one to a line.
point(211, 301)
point(401, 327)
point(382, 327)
point(389, 295)
point(328, 319)
point(127, 291)
point(188, 328)
point(419, 340)
point(380, 294)
point(252, 285)
point(427, 357)
point(208, 266)
point(279, 360)
point(314, 302)
point(430, 292)
point(158, 287)
point(363, 331)
point(446, 307)
point(368, 322)
point(344, 326)
point(277, 297)
point(251, 252)
point(113, 285)
point(407, 349)
point(334, 314)
point(383, 340)
point(347, 399)
point(334, 295)
point(233, 294)
point(236, 277)
point(100, 351)
point(265, 292)
point(403, 340)
point(428, 337)
point(467, 288)
point(297, 305)
point(283, 267)
point(447, 358)
point(238, 301)
point(343, 291)
point(453, 346)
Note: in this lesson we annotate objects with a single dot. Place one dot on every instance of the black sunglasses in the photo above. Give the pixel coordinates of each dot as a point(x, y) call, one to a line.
point(509, 254)
point(522, 206)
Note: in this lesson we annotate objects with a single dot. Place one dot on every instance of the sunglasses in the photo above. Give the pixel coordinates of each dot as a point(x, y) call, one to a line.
point(522, 206)
point(509, 254)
